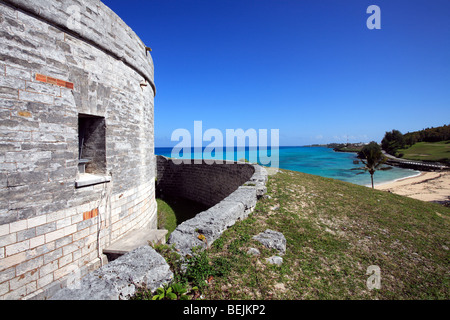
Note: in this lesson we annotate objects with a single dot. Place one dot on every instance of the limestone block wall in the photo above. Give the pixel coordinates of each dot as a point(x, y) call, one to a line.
point(230, 189)
point(60, 60)
point(204, 183)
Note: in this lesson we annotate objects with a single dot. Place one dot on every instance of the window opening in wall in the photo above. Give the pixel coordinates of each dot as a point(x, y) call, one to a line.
point(91, 150)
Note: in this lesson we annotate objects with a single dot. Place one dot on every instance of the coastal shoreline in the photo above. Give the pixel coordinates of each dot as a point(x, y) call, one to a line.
point(397, 180)
point(426, 186)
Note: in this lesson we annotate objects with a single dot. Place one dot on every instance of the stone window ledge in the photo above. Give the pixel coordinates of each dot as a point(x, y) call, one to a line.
point(87, 179)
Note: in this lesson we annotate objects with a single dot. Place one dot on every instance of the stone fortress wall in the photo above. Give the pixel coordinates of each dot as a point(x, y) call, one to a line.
point(204, 183)
point(62, 64)
point(77, 83)
point(229, 189)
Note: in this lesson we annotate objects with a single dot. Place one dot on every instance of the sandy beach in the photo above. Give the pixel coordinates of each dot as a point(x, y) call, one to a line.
point(428, 186)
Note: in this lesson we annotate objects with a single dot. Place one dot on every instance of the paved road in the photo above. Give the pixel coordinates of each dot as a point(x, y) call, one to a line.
point(415, 162)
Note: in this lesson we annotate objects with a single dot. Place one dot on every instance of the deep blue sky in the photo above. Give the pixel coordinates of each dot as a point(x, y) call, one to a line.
point(311, 69)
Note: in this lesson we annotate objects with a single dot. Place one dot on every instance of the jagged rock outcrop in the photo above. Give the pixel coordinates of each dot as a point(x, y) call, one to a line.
point(120, 279)
point(272, 240)
point(275, 260)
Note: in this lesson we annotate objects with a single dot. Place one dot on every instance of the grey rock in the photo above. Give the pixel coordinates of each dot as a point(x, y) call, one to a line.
point(272, 240)
point(210, 223)
point(244, 195)
point(253, 251)
point(232, 190)
point(119, 279)
point(260, 178)
point(275, 260)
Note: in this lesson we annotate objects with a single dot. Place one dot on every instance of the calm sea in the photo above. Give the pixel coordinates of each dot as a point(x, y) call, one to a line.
point(319, 161)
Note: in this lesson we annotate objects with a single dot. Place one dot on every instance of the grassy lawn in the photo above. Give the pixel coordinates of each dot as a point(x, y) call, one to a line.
point(173, 211)
point(334, 232)
point(428, 151)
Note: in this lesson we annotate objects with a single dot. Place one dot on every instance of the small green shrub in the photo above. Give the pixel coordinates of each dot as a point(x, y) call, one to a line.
point(173, 259)
point(175, 291)
point(164, 293)
point(222, 266)
point(199, 268)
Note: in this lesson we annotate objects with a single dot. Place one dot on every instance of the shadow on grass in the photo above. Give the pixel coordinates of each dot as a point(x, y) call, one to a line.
point(184, 209)
point(173, 211)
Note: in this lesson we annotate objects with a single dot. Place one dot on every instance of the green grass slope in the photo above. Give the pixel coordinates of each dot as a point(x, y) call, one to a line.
point(173, 211)
point(428, 151)
point(334, 231)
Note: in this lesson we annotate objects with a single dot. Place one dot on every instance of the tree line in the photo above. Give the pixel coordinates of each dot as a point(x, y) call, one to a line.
point(394, 140)
point(373, 158)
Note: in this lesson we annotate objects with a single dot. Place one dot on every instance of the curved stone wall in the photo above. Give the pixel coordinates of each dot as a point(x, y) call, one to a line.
point(207, 184)
point(63, 63)
point(230, 189)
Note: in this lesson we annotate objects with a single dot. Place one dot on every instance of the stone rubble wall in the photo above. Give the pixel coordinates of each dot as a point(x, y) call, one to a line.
point(231, 189)
point(53, 68)
point(205, 183)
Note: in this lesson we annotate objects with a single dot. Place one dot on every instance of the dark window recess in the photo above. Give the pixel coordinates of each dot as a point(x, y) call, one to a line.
point(91, 144)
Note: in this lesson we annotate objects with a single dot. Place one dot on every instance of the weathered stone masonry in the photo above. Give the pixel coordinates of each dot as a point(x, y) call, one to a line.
point(230, 189)
point(61, 61)
point(205, 183)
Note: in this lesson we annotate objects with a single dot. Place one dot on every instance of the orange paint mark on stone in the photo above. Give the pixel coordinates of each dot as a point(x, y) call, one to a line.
point(58, 82)
point(90, 214)
point(51, 80)
point(41, 77)
point(24, 114)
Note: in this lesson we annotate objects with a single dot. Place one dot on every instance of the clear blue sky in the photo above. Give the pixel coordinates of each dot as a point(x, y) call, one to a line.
point(311, 69)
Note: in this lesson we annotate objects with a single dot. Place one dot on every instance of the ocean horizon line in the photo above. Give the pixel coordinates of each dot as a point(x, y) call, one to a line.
point(309, 145)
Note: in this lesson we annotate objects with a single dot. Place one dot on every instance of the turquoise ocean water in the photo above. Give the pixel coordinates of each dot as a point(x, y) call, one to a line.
point(319, 161)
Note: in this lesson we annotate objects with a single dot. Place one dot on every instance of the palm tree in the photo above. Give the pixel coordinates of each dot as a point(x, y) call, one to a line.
point(372, 158)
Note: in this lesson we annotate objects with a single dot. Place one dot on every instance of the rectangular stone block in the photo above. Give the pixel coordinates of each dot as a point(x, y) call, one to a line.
point(13, 136)
point(36, 97)
point(17, 248)
point(4, 229)
point(29, 265)
point(37, 221)
point(47, 137)
point(18, 73)
point(46, 228)
point(52, 236)
point(17, 226)
point(9, 87)
point(54, 255)
point(26, 178)
point(46, 280)
point(43, 88)
point(28, 156)
point(22, 281)
point(48, 268)
point(13, 260)
point(8, 239)
point(41, 77)
point(26, 234)
point(37, 241)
